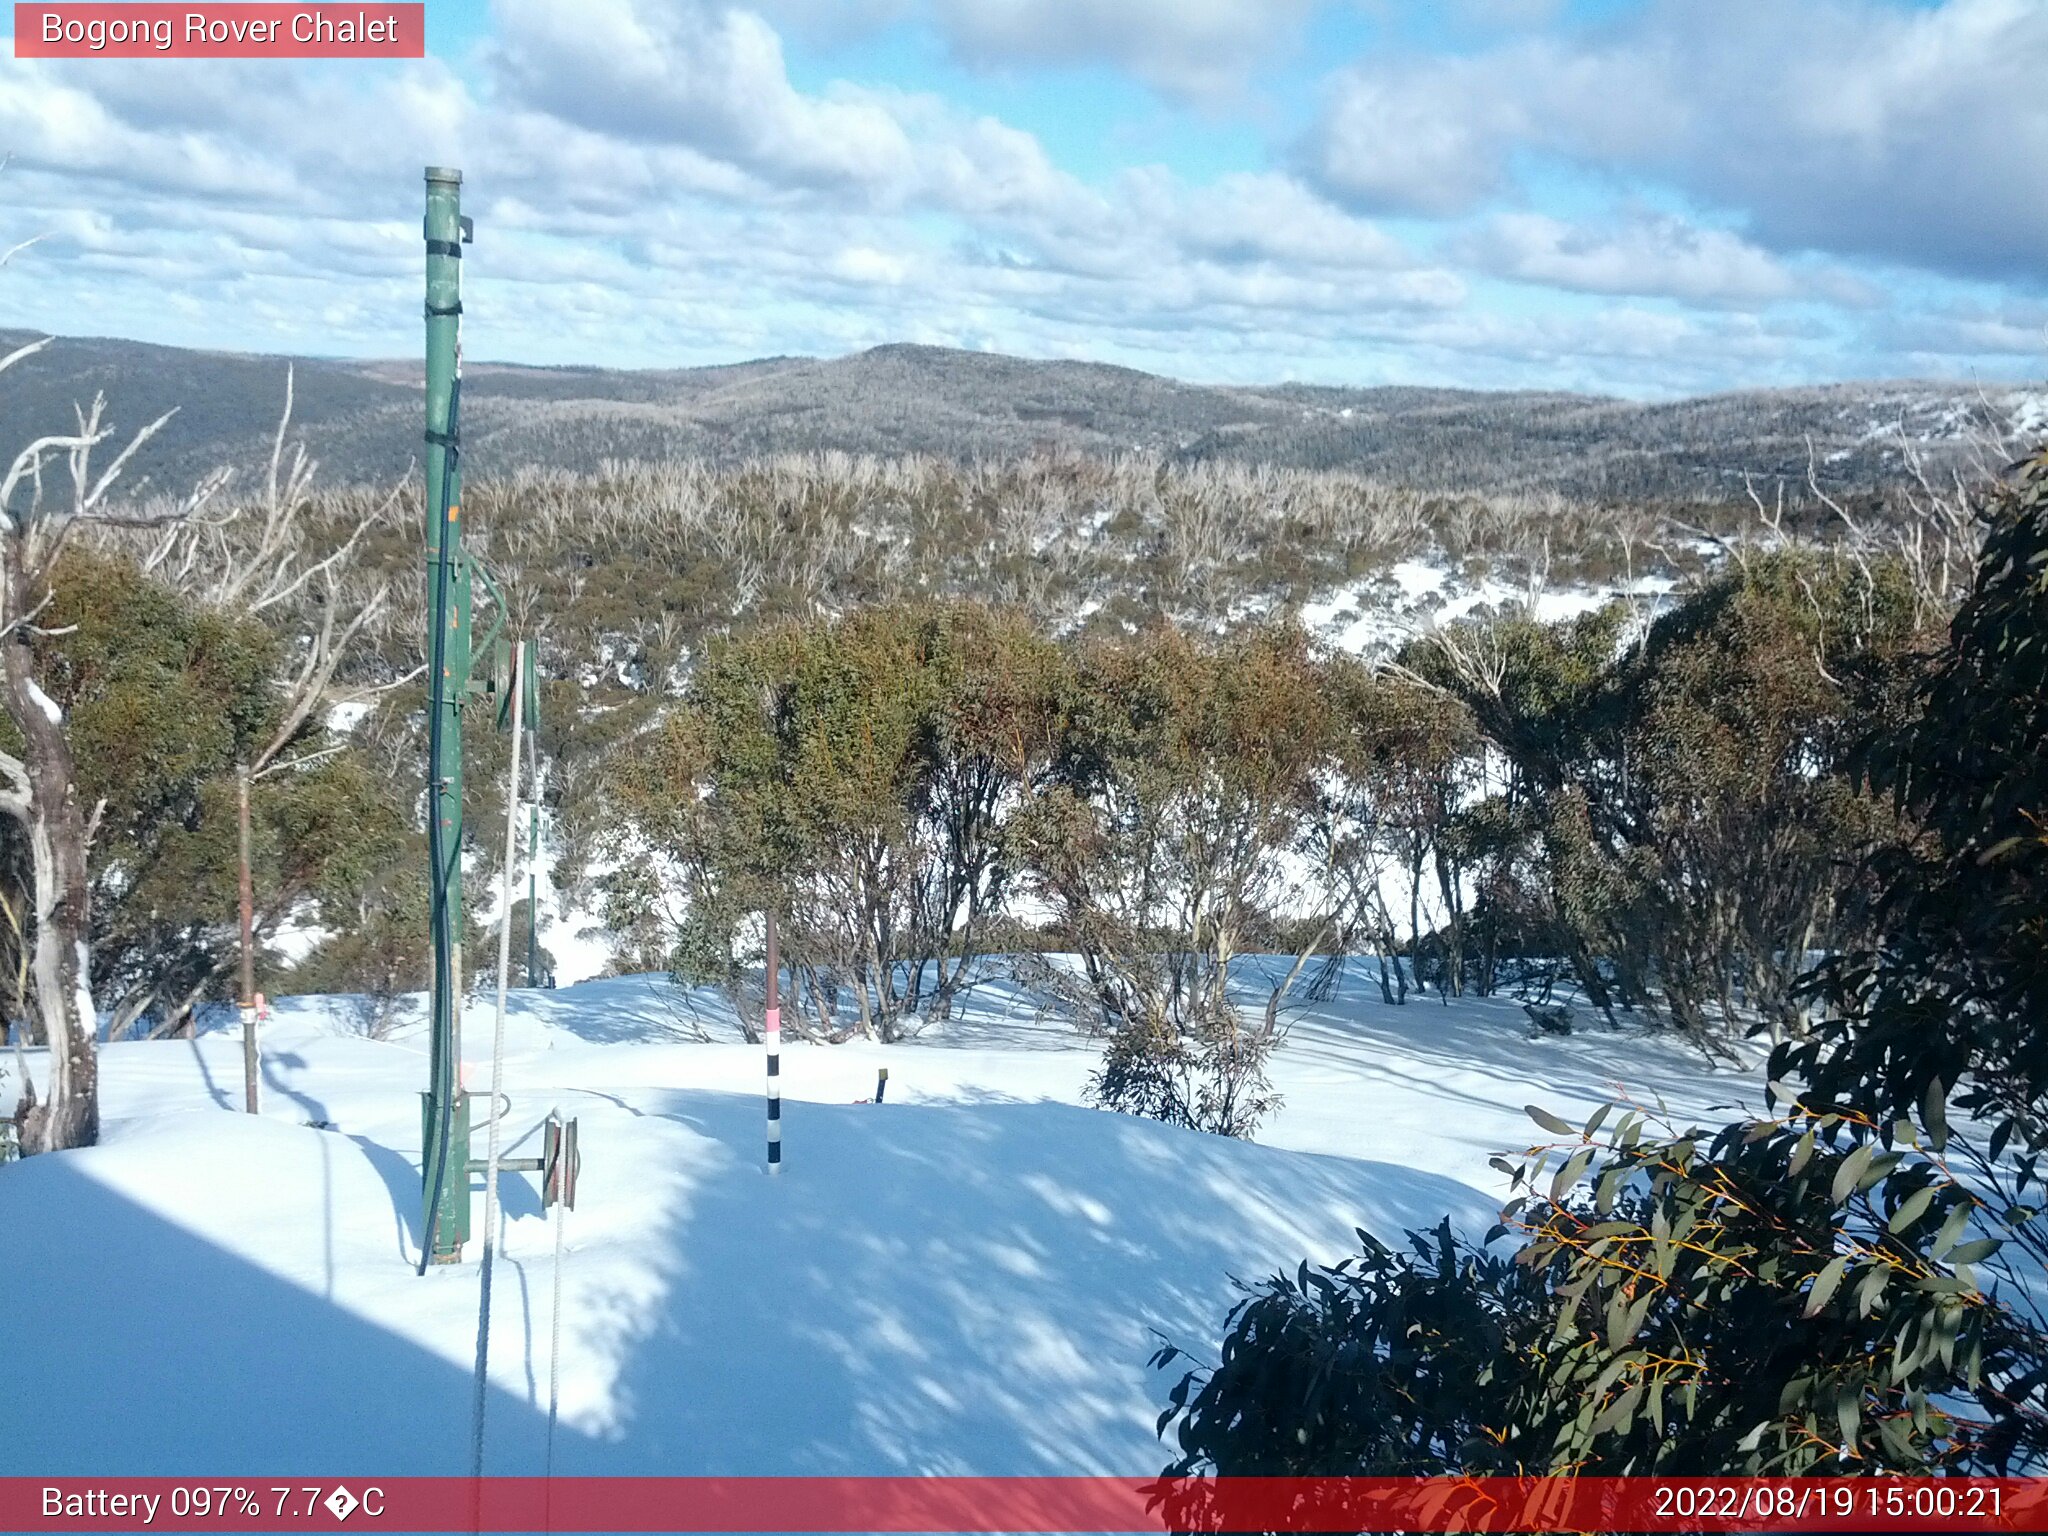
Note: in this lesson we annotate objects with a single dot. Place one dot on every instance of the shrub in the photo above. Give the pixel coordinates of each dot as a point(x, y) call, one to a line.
point(1780, 1298)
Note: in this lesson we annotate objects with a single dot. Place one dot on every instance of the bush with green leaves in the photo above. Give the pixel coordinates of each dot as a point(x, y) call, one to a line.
point(1954, 1001)
point(1778, 1298)
point(1165, 844)
point(162, 697)
point(1689, 793)
point(862, 777)
point(1386, 1364)
point(1846, 1283)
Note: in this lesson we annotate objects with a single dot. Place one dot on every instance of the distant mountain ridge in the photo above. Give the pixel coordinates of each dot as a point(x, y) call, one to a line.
point(362, 418)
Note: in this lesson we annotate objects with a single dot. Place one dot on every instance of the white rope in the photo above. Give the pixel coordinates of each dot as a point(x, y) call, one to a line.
point(554, 1368)
point(491, 1214)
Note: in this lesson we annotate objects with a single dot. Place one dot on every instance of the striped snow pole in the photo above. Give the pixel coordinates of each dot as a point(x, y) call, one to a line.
point(772, 1033)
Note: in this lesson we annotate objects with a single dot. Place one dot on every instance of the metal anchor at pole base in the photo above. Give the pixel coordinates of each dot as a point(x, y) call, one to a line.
point(558, 1165)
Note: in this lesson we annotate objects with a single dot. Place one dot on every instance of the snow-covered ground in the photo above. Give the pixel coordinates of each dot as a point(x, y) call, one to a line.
point(968, 1278)
point(1377, 613)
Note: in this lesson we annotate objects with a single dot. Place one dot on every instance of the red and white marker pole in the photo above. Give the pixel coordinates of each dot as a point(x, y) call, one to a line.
point(771, 1031)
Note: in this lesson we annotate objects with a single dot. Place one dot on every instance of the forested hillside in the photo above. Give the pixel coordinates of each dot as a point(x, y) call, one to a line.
point(362, 419)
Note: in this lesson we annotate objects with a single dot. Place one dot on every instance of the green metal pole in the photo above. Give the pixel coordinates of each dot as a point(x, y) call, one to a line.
point(446, 1114)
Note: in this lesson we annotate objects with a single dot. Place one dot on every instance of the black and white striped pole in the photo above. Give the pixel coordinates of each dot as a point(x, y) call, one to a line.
point(771, 1031)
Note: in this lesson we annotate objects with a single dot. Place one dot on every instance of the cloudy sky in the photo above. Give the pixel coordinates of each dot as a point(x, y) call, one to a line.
point(1649, 197)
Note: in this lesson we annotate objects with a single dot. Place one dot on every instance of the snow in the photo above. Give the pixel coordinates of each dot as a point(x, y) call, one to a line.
point(298, 935)
point(1376, 614)
point(45, 703)
point(1417, 578)
point(968, 1278)
point(575, 934)
point(346, 716)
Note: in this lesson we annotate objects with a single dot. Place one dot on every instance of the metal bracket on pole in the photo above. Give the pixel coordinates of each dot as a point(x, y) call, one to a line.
point(529, 682)
point(493, 645)
point(558, 1165)
point(561, 1162)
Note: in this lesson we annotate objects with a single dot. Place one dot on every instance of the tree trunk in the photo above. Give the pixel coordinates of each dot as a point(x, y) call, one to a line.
point(60, 953)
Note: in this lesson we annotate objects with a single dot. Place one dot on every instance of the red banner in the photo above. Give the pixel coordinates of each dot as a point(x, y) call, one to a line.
point(1022, 1504)
point(217, 31)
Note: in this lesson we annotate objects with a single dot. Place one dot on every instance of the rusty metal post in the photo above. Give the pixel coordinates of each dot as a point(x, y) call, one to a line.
point(251, 1057)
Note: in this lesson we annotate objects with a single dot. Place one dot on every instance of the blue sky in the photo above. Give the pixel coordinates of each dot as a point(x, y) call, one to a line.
point(1645, 197)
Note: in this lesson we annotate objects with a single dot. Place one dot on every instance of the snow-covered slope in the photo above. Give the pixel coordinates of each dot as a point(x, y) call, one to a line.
point(1375, 615)
point(967, 1278)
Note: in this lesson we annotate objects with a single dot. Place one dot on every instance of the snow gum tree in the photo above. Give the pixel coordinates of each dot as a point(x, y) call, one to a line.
point(162, 697)
point(1689, 795)
point(1386, 820)
point(50, 490)
point(1171, 844)
point(863, 777)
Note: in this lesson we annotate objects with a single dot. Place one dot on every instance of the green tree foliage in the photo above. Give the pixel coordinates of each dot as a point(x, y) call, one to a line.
point(1960, 983)
point(1691, 796)
point(862, 778)
point(1385, 822)
point(1775, 1299)
point(378, 945)
point(1815, 1291)
point(162, 697)
point(1551, 830)
point(1165, 843)
point(1748, 712)
point(1952, 1004)
point(1377, 1366)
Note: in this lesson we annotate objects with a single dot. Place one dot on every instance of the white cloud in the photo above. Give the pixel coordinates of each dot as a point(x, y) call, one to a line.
point(1647, 255)
point(1917, 135)
point(1261, 216)
point(2018, 331)
point(866, 264)
point(1196, 48)
point(1398, 141)
point(833, 21)
point(643, 78)
point(704, 78)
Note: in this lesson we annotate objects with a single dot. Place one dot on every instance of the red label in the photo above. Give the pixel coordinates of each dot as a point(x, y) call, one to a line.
point(217, 31)
point(1142, 1506)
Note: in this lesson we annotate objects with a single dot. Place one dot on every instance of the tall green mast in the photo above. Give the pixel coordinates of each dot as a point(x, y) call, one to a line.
point(446, 1115)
